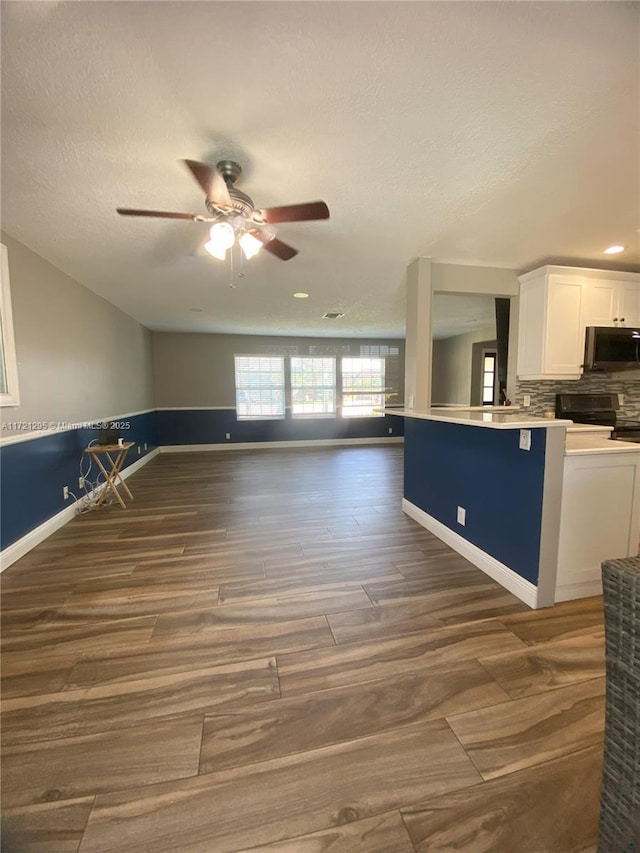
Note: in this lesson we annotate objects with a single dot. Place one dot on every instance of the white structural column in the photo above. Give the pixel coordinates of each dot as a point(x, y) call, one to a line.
point(417, 368)
point(424, 278)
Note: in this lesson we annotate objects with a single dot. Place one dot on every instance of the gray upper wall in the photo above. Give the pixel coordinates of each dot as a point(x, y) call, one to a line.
point(79, 357)
point(197, 370)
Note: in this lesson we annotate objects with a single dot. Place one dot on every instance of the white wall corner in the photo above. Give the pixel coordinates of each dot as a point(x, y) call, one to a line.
point(417, 380)
point(550, 523)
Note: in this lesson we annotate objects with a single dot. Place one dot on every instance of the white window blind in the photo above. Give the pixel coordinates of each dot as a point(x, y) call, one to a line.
point(362, 387)
point(313, 386)
point(259, 387)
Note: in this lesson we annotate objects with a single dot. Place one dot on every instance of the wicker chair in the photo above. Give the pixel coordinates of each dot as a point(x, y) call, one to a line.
point(620, 797)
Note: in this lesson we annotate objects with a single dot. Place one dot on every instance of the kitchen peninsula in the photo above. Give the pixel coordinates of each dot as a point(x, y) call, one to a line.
point(534, 506)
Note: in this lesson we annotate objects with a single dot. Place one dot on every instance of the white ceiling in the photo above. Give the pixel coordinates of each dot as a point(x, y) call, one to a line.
point(499, 134)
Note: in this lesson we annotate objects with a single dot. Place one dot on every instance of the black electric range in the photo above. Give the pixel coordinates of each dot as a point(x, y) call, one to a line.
point(599, 410)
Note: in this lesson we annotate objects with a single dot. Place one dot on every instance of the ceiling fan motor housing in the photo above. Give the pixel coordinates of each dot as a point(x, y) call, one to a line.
point(230, 170)
point(240, 202)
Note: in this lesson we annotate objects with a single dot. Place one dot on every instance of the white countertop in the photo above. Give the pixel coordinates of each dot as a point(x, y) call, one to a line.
point(581, 438)
point(590, 428)
point(579, 443)
point(504, 419)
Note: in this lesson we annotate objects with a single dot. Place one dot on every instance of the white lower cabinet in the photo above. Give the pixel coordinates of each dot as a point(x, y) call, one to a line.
point(599, 519)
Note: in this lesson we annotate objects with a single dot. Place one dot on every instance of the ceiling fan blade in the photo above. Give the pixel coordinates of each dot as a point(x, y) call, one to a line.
point(272, 244)
point(280, 250)
point(162, 214)
point(211, 181)
point(295, 212)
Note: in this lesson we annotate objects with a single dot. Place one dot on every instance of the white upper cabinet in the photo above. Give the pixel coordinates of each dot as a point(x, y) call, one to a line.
point(550, 342)
point(600, 303)
point(610, 303)
point(557, 304)
point(629, 303)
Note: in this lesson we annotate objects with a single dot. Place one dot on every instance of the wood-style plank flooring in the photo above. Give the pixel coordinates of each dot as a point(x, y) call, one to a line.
point(262, 653)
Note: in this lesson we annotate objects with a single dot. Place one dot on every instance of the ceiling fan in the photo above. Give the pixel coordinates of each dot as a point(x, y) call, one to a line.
point(234, 215)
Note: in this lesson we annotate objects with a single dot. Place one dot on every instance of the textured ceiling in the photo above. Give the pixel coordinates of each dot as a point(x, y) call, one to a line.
point(499, 134)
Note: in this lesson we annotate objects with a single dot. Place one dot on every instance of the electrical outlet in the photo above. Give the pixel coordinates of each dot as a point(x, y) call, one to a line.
point(621, 399)
point(139, 450)
point(390, 430)
point(81, 482)
point(462, 516)
point(145, 445)
point(65, 492)
point(525, 439)
point(228, 435)
point(526, 401)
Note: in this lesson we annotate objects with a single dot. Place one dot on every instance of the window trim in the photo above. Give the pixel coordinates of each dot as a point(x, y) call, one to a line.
point(261, 417)
point(381, 392)
point(11, 397)
point(492, 354)
point(314, 415)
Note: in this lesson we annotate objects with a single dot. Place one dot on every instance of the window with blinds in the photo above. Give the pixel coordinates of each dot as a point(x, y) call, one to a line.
point(362, 387)
point(259, 387)
point(313, 387)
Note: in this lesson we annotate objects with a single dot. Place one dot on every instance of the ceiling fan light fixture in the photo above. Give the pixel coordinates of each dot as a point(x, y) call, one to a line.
point(223, 235)
point(222, 238)
point(250, 245)
point(214, 249)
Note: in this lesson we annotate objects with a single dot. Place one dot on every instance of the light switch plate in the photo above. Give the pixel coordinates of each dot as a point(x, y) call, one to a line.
point(525, 439)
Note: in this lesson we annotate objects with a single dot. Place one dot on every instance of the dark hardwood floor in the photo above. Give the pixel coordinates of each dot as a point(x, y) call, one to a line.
point(262, 653)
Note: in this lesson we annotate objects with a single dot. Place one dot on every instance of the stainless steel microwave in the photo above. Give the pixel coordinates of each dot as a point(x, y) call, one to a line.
point(612, 348)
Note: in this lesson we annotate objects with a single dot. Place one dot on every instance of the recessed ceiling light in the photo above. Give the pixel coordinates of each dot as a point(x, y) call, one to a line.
point(301, 295)
point(332, 315)
point(614, 250)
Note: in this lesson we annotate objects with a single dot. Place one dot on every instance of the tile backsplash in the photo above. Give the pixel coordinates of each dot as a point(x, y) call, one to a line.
point(543, 392)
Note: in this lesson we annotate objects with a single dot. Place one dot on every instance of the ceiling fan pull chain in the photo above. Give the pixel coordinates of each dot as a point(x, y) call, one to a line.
point(231, 283)
point(241, 256)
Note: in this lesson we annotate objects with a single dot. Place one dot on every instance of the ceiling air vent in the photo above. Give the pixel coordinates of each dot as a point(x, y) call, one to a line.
point(332, 315)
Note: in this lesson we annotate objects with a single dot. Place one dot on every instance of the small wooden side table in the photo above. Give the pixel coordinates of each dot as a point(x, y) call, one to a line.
point(113, 475)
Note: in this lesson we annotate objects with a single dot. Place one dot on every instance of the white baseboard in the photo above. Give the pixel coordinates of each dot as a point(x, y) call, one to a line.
point(506, 577)
point(138, 464)
point(583, 589)
point(270, 445)
point(34, 537)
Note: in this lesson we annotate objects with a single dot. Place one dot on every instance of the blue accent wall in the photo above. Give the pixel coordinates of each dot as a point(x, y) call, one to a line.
point(484, 471)
point(210, 426)
point(34, 473)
